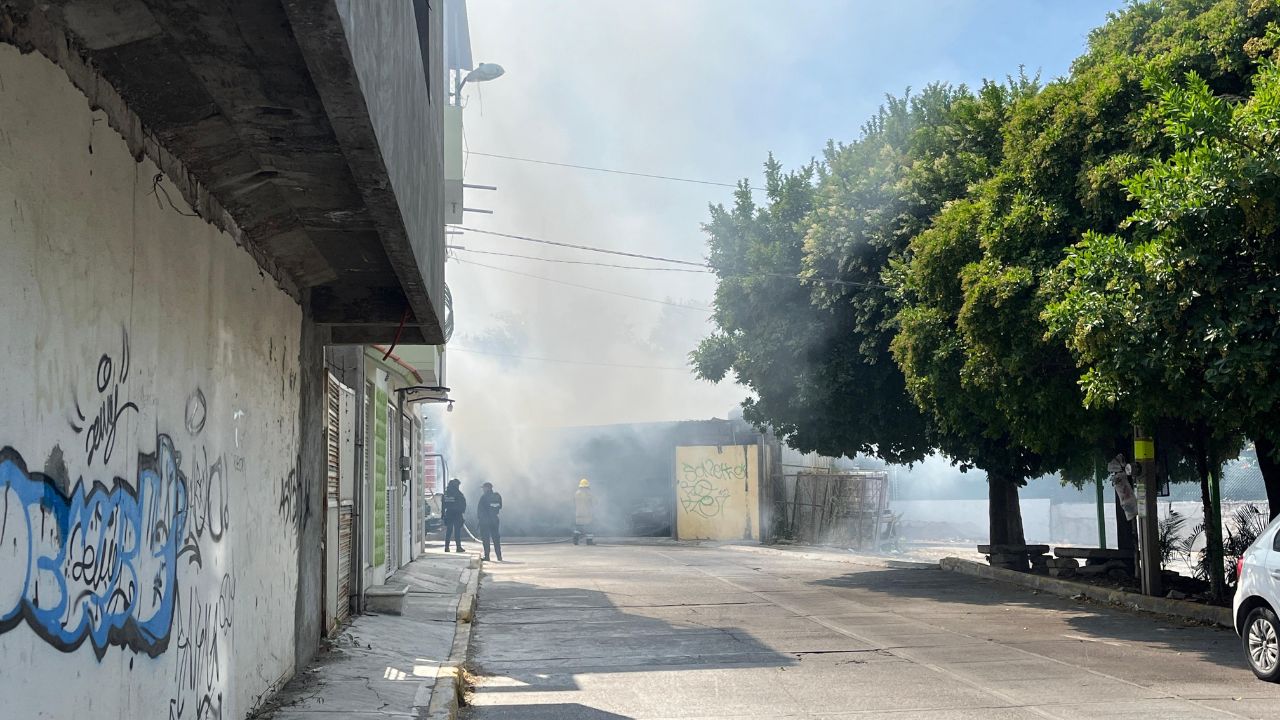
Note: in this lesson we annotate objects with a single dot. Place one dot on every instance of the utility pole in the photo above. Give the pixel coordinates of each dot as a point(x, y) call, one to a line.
point(1148, 485)
point(1102, 506)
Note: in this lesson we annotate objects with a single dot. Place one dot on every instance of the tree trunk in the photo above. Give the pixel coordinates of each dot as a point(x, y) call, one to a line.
point(1270, 468)
point(1126, 538)
point(997, 510)
point(1013, 514)
point(1212, 529)
point(1004, 514)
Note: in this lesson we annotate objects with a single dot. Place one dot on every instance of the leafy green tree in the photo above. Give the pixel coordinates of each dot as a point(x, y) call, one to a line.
point(1210, 217)
point(1179, 316)
point(965, 205)
point(971, 344)
point(933, 354)
point(817, 353)
point(974, 342)
point(804, 362)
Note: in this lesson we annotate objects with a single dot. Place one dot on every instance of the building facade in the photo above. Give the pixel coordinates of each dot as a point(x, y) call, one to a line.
point(195, 201)
point(379, 465)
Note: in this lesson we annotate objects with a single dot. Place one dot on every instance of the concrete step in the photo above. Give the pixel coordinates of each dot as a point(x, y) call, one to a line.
point(386, 599)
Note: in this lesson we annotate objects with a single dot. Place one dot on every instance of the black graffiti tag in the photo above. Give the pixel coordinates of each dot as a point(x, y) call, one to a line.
point(295, 501)
point(100, 431)
point(201, 627)
point(210, 506)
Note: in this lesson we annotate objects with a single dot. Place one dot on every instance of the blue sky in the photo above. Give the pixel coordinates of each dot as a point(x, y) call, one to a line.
point(696, 88)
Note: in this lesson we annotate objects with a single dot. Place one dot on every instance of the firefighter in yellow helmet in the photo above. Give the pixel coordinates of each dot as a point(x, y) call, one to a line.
point(583, 513)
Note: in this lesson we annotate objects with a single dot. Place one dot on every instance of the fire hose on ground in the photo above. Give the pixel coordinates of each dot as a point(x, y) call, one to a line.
point(519, 542)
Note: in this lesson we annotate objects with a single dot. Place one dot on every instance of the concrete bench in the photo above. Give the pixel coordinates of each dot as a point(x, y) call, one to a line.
point(1093, 555)
point(1011, 549)
point(1016, 557)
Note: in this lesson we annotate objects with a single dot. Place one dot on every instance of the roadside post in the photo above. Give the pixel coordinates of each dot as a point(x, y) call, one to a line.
point(1102, 507)
point(1147, 486)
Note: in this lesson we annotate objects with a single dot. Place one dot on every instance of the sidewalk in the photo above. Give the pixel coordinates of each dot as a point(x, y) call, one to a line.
point(390, 666)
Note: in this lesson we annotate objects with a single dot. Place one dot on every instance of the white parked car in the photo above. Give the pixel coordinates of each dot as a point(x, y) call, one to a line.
point(1256, 602)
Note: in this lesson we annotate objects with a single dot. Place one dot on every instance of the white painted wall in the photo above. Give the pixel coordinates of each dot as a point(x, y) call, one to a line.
point(966, 520)
point(144, 351)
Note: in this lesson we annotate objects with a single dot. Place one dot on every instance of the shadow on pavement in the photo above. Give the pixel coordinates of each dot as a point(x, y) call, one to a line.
point(1083, 620)
point(557, 711)
point(532, 638)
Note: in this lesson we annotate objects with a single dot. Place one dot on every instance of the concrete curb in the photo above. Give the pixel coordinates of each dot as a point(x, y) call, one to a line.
point(850, 559)
point(450, 682)
point(1065, 588)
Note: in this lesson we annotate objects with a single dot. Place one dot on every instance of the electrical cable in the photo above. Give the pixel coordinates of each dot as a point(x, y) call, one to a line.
point(608, 170)
point(577, 262)
point(585, 287)
point(588, 248)
point(658, 258)
point(396, 340)
point(567, 362)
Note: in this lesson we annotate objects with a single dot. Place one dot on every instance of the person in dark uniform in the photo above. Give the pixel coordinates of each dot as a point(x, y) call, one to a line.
point(490, 530)
point(453, 507)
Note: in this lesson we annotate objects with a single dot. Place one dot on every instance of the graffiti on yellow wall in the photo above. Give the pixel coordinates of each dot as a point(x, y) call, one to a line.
point(717, 492)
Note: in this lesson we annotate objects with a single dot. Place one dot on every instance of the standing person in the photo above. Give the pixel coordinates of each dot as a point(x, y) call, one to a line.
point(453, 506)
point(583, 512)
point(490, 530)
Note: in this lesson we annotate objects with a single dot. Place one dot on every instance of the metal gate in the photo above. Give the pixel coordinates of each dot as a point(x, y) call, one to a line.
point(346, 498)
point(849, 508)
point(339, 446)
point(332, 444)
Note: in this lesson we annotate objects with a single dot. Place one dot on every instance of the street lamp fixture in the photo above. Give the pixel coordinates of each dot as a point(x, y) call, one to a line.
point(484, 72)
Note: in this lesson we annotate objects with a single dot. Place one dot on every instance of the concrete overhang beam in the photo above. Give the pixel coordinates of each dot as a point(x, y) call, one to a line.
point(254, 109)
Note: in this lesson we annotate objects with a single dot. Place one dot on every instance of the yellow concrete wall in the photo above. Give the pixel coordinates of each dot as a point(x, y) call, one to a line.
point(717, 492)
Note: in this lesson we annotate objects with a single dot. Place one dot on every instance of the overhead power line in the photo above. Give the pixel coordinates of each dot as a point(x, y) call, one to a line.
point(578, 262)
point(658, 258)
point(567, 362)
point(588, 248)
point(585, 287)
point(613, 171)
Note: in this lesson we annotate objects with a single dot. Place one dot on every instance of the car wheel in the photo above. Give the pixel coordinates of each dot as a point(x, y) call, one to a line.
point(1261, 640)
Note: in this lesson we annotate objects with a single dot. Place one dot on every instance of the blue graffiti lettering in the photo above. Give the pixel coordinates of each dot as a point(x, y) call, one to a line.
point(98, 563)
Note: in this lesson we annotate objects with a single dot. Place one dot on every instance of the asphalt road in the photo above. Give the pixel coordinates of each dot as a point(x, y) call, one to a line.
point(598, 633)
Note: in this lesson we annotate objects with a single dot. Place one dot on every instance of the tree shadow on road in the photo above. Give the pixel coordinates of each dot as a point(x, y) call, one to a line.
point(931, 596)
point(539, 639)
point(557, 629)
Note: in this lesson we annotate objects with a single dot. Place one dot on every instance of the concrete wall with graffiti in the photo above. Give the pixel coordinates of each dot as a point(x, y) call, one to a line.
point(718, 492)
point(150, 506)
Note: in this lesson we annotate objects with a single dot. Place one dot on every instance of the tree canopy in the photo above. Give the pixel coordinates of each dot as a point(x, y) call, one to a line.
point(1015, 275)
point(802, 360)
